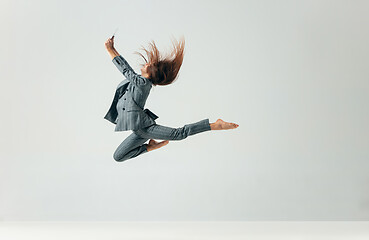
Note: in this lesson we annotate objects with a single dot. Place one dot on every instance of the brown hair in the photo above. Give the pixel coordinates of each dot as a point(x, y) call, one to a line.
point(163, 71)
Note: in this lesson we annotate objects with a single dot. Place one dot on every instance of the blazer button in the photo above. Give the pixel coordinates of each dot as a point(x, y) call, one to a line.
point(123, 108)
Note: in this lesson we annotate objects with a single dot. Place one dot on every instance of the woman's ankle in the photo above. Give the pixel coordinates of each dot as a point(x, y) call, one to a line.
point(213, 126)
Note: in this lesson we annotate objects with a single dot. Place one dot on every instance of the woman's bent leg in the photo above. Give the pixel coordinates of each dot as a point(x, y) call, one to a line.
point(131, 147)
point(167, 133)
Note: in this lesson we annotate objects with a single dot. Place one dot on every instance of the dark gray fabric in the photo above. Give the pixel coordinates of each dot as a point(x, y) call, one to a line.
point(128, 113)
point(127, 108)
point(134, 146)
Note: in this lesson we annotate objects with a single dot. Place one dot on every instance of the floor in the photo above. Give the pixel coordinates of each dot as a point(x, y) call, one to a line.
point(337, 230)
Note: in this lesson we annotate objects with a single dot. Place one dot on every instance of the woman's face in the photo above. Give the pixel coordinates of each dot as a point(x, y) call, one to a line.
point(144, 68)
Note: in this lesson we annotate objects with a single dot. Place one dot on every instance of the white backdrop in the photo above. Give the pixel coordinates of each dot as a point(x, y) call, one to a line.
point(293, 74)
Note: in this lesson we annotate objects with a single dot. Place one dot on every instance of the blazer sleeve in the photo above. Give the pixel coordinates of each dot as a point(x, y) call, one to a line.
point(127, 71)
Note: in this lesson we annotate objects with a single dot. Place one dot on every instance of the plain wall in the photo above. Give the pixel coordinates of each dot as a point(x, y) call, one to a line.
point(293, 74)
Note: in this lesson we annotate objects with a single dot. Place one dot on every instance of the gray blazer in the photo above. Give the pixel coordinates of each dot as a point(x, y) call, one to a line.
point(127, 109)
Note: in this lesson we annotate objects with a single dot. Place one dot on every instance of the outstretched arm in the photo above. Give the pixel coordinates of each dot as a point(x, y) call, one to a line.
point(113, 53)
point(123, 65)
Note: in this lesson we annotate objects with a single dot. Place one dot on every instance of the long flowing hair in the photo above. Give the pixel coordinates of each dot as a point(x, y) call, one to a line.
point(163, 70)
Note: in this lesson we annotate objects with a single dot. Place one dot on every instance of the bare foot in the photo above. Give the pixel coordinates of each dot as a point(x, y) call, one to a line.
point(155, 145)
point(222, 125)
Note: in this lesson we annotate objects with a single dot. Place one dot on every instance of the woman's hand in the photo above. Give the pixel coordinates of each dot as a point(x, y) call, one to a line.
point(109, 44)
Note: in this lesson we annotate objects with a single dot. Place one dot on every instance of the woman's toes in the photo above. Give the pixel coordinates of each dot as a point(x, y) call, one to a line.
point(156, 145)
point(228, 125)
point(162, 144)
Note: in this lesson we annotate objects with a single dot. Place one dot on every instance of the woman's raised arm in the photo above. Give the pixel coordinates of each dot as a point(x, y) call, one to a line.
point(123, 65)
point(109, 45)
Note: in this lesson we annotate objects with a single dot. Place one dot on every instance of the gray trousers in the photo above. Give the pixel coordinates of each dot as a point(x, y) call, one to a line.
point(134, 145)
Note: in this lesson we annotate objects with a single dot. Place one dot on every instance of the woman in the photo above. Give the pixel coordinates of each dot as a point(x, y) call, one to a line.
point(127, 112)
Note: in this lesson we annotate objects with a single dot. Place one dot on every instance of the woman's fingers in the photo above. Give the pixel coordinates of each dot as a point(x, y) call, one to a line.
point(110, 42)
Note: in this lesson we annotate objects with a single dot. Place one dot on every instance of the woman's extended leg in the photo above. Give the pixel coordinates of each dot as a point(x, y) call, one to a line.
point(131, 147)
point(167, 133)
point(222, 125)
point(134, 145)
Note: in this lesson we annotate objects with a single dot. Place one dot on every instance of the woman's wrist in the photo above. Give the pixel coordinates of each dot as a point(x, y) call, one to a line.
point(113, 53)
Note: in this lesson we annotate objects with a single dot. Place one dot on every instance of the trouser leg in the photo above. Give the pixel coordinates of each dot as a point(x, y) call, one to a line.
point(167, 133)
point(131, 147)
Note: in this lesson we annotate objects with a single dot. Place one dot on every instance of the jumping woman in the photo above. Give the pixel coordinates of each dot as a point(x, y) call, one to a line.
point(127, 109)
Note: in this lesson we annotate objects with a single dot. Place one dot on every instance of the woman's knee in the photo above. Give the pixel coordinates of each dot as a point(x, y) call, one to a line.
point(180, 133)
point(119, 157)
point(116, 157)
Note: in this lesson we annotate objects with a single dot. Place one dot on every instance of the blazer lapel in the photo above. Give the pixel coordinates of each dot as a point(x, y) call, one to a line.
point(112, 114)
